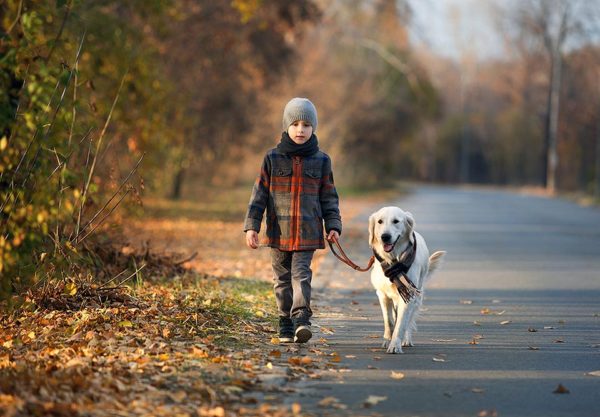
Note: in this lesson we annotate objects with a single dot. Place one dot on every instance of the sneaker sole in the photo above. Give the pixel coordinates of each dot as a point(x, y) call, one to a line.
point(303, 335)
point(286, 339)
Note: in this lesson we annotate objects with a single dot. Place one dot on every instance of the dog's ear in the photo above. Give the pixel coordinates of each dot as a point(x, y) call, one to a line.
point(372, 230)
point(409, 221)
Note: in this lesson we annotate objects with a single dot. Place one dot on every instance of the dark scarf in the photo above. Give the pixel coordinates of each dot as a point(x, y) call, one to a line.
point(396, 271)
point(291, 148)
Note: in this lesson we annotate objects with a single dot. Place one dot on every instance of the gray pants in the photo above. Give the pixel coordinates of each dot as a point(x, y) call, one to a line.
point(292, 276)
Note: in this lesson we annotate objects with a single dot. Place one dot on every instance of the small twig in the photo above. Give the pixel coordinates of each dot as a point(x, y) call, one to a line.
point(113, 278)
point(102, 219)
point(189, 258)
point(109, 200)
point(135, 273)
point(14, 23)
point(93, 167)
point(60, 31)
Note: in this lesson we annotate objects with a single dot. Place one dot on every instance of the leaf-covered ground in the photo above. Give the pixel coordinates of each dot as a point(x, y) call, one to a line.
point(201, 343)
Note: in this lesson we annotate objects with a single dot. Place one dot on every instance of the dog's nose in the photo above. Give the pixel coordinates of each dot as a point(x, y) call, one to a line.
point(386, 238)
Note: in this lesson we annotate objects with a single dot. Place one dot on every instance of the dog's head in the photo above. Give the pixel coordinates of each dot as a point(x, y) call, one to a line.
point(389, 228)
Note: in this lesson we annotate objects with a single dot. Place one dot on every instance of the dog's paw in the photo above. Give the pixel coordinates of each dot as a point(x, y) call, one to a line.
point(394, 347)
point(385, 343)
point(407, 343)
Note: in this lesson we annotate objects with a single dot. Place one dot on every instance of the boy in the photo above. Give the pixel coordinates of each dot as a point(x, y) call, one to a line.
point(296, 188)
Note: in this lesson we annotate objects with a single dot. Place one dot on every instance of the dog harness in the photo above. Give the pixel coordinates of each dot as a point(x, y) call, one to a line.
point(396, 271)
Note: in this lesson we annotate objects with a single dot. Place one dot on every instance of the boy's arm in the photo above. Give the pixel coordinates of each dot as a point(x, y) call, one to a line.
point(330, 200)
point(259, 198)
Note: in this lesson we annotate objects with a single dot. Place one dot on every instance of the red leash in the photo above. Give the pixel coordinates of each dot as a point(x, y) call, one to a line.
point(344, 258)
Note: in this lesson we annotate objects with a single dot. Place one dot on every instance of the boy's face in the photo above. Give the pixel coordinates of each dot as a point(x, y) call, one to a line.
point(300, 131)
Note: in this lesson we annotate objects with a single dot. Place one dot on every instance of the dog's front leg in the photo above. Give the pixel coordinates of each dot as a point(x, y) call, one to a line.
point(399, 328)
point(410, 314)
point(387, 312)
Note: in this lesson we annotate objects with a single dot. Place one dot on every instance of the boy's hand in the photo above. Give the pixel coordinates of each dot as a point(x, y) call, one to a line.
point(252, 239)
point(333, 234)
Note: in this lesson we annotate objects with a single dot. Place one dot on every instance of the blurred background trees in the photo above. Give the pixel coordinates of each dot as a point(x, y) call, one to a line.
point(204, 84)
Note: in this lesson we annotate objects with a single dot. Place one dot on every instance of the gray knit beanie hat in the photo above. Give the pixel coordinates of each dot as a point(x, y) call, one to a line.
point(299, 109)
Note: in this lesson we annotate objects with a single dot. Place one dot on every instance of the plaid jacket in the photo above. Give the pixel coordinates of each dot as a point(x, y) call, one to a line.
point(298, 194)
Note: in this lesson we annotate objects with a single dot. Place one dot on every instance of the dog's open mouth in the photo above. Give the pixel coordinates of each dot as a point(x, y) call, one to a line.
point(387, 247)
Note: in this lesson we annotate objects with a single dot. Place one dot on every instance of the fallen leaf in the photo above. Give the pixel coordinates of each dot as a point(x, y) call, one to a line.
point(350, 356)
point(373, 400)
point(331, 402)
point(485, 311)
point(397, 375)
point(70, 289)
point(531, 330)
point(533, 348)
point(594, 373)
point(505, 322)
point(477, 390)
point(436, 359)
point(294, 360)
point(211, 412)
point(275, 352)
point(474, 342)
point(296, 408)
point(443, 340)
point(335, 358)
point(466, 302)
point(499, 313)
point(561, 389)
point(476, 323)
point(306, 360)
point(549, 327)
point(125, 323)
point(559, 341)
point(488, 413)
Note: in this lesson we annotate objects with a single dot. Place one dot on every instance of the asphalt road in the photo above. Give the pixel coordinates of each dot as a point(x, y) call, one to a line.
point(513, 313)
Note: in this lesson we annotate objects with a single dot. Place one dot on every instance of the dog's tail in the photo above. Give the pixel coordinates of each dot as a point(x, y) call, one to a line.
point(435, 261)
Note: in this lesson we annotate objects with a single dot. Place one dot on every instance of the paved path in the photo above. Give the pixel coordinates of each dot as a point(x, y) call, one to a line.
point(528, 262)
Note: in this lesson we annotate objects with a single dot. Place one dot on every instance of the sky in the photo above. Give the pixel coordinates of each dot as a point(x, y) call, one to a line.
point(452, 26)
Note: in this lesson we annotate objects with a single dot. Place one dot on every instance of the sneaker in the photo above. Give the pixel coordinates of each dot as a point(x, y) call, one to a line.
point(302, 334)
point(286, 330)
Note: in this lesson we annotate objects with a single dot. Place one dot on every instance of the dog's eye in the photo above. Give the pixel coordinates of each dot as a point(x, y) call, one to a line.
point(380, 221)
point(396, 221)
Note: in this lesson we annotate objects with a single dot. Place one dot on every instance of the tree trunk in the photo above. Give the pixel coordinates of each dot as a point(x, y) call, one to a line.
point(177, 184)
point(553, 113)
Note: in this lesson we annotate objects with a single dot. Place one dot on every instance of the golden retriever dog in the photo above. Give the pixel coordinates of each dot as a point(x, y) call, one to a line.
point(404, 257)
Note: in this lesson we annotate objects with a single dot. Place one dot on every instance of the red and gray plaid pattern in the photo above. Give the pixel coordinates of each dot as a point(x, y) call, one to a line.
point(298, 194)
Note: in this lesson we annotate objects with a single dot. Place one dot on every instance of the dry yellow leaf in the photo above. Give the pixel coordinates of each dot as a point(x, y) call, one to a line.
point(70, 289)
point(397, 375)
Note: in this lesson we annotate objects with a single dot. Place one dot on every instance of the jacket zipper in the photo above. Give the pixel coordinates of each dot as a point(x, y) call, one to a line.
point(296, 178)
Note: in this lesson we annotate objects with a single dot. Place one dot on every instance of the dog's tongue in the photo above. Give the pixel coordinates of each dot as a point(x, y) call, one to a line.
point(388, 247)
